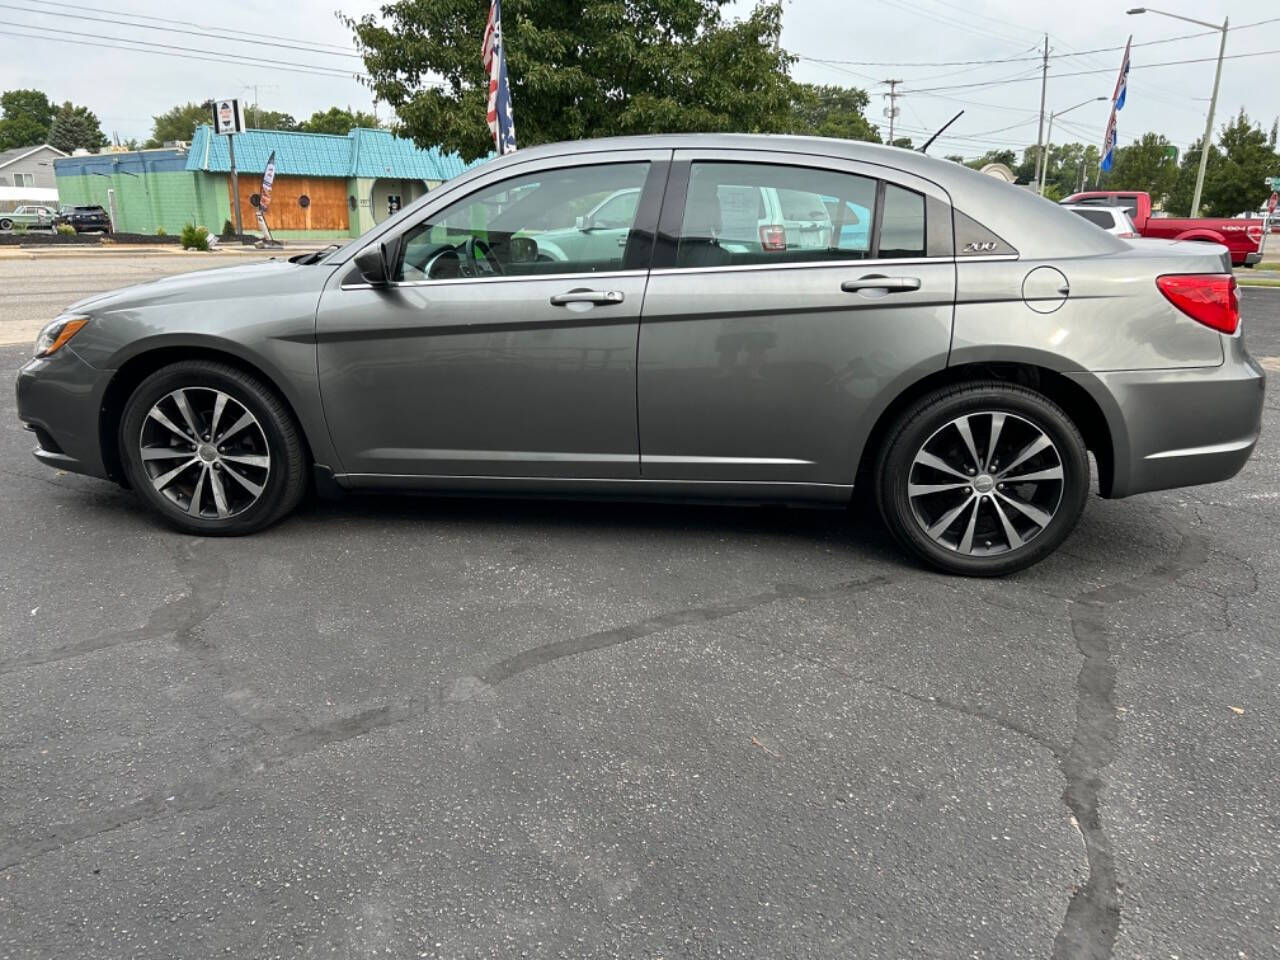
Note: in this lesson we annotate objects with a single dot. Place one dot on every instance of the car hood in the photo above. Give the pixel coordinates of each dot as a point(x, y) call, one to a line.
point(215, 283)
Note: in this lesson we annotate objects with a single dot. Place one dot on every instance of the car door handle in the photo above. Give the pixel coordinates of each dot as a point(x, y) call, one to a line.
point(587, 296)
point(887, 284)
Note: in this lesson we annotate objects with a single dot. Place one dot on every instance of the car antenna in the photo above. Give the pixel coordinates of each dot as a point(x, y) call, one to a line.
point(928, 143)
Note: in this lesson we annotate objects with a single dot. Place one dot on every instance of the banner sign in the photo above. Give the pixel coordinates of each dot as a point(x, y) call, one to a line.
point(264, 198)
point(227, 116)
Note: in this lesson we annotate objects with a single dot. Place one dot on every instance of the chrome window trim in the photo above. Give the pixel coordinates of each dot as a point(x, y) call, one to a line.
point(824, 265)
point(453, 281)
point(676, 271)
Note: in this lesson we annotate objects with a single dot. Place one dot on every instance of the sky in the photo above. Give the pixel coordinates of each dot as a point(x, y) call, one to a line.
point(981, 56)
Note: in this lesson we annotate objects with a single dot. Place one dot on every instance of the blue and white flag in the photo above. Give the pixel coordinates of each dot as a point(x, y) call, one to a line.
point(501, 123)
point(1109, 143)
point(1117, 104)
point(1122, 81)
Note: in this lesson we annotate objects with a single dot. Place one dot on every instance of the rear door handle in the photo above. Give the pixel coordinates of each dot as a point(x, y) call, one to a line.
point(587, 296)
point(887, 284)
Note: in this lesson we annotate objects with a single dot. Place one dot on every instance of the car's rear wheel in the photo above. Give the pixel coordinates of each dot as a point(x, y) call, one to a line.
point(983, 479)
point(212, 449)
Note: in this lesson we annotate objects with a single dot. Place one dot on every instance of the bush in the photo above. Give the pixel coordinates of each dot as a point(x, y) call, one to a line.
point(161, 232)
point(65, 230)
point(20, 228)
point(227, 229)
point(195, 238)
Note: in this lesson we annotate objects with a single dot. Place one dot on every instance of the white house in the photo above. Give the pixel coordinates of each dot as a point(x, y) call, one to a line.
point(29, 167)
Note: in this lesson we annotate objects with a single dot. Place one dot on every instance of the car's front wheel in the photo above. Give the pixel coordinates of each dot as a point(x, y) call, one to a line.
point(6, 224)
point(212, 449)
point(983, 479)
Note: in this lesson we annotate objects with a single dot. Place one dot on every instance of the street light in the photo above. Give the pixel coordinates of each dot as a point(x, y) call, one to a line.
point(1044, 154)
point(1213, 100)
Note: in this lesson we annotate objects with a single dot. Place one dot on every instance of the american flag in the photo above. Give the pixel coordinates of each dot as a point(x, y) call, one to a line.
point(501, 123)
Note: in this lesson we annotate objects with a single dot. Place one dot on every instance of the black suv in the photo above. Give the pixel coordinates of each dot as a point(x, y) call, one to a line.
point(84, 218)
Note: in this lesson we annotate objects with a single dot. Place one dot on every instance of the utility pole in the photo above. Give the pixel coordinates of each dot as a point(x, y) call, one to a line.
point(1044, 86)
point(892, 112)
point(1208, 125)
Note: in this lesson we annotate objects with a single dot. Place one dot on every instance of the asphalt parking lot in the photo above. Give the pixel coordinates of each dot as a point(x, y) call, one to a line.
point(441, 728)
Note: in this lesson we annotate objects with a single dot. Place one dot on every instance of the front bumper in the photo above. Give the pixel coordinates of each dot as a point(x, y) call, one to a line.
point(58, 400)
point(1180, 427)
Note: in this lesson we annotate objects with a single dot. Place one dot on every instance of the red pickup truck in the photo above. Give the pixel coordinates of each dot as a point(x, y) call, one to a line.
point(1242, 237)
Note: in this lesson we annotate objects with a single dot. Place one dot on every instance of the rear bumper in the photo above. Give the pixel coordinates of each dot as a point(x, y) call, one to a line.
point(1178, 428)
point(58, 401)
point(1251, 258)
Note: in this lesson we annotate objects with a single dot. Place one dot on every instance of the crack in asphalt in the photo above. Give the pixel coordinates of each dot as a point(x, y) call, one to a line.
point(206, 580)
point(1092, 920)
point(218, 784)
point(559, 650)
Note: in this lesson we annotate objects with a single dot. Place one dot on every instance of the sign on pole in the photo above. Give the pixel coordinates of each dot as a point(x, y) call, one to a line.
point(228, 117)
point(1271, 204)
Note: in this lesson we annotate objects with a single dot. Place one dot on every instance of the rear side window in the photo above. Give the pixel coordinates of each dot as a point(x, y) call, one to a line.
point(1100, 217)
point(902, 225)
point(743, 214)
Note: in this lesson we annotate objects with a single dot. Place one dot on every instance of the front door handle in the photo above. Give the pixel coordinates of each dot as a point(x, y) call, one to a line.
point(887, 284)
point(587, 296)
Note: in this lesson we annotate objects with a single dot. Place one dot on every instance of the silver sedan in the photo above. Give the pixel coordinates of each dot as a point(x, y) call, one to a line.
point(956, 353)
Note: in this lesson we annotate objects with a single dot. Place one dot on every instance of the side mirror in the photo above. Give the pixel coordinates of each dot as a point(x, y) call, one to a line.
point(580, 223)
point(373, 267)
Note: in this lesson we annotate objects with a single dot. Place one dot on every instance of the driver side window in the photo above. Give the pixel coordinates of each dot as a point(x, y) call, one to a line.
point(542, 223)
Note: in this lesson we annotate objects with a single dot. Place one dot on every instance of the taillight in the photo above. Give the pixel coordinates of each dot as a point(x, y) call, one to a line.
point(1254, 233)
point(1208, 298)
point(773, 237)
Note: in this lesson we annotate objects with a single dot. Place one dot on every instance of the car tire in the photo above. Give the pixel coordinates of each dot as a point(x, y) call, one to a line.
point(6, 224)
point(245, 461)
point(968, 507)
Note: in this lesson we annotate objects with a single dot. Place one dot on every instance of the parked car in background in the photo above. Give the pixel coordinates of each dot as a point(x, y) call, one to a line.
point(31, 215)
point(1242, 237)
point(1114, 220)
point(958, 367)
point(84, 218)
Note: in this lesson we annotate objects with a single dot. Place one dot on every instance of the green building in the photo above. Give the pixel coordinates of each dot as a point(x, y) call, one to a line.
point(326, 186)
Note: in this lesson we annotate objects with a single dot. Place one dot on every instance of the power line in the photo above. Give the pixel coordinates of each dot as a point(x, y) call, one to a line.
point(196, 55)
point(1022, 59)
point(256, 35)
point(1083, 73)
point(145, 26)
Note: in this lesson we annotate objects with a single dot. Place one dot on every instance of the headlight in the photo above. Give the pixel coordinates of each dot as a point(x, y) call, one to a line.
point(56, 334)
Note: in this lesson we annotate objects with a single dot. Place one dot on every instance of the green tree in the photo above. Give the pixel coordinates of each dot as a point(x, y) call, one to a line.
point(1178, 203)
point(590, 69)
point(1007, 157)
point(258, 119)
point(1147, 164)
point(179, 123)
point(339, 121)
point(826, 111)
point(1234, 184)
point(74, 128)
point(25, 117)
